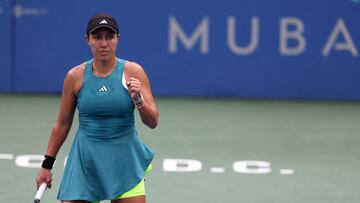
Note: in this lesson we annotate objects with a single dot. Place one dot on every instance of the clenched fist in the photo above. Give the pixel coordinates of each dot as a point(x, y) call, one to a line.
point(134, 87)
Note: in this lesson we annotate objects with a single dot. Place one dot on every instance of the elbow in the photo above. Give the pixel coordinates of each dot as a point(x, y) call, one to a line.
point(61, 126)
point(153, 124)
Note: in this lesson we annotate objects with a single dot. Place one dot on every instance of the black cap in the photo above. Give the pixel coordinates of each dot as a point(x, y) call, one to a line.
point(102, 20)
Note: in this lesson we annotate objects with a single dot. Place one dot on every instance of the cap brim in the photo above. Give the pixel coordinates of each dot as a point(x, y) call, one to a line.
point(102, 26)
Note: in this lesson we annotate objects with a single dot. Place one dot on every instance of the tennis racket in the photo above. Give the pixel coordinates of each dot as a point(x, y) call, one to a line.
point(40, 193)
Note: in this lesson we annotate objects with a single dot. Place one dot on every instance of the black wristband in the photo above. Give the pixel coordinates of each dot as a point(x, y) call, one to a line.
point(48, 162)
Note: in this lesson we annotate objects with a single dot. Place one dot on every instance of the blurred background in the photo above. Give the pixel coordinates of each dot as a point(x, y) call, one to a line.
point(258, 100)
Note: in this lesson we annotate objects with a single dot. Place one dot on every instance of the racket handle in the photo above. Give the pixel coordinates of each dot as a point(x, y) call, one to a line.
point(40, 192)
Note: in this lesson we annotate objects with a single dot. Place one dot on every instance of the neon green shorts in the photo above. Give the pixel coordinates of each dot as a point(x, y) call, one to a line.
point(138, 190)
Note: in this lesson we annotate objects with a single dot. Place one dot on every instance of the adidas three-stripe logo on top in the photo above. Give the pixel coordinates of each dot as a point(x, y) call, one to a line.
point(103, 89)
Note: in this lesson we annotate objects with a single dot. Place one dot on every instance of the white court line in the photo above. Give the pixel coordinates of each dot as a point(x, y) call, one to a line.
point(217, 170)
point(6, 156)
point(287, 172)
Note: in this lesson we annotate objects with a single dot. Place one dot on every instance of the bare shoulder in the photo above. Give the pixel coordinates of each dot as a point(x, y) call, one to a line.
point(74, 77)
point(77, 72)
point(133, 68)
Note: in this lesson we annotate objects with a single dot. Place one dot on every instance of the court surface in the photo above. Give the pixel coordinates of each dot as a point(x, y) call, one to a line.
point(208, 150)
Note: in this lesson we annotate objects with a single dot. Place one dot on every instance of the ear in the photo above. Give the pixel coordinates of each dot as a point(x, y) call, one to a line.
point(118, 36)
point(87, 38)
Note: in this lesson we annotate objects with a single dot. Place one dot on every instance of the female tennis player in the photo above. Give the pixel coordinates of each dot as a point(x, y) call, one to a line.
point(107, 160)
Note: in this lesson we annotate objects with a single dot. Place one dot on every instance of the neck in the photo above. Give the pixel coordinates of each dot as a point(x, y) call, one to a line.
point(104, 67)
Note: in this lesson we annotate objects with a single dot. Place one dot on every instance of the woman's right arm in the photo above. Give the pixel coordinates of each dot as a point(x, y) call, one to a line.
point(64, 119)
point(62, 124)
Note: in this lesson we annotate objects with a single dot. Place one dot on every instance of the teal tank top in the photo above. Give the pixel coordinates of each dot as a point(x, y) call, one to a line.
point(107, 157)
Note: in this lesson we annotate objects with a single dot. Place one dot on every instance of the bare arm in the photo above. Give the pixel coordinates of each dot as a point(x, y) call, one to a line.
point(138, 82)
point(61, 126)
point(64, 120)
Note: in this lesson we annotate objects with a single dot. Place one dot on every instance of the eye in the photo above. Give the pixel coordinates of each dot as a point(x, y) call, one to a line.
point(110, 37)
point(96, 36)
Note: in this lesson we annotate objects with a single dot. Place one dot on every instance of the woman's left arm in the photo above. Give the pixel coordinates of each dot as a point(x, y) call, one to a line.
point(140, 92)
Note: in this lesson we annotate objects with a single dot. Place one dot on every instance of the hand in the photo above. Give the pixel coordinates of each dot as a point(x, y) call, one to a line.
point(44, 176)
point(134, 87)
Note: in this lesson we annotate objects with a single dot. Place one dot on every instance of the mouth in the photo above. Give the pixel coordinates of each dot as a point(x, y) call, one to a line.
point(103, 52)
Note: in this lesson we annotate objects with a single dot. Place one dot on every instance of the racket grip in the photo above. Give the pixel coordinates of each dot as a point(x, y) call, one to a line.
point(40, 192)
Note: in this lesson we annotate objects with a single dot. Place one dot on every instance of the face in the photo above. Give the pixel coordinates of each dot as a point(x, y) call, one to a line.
point(103, 43)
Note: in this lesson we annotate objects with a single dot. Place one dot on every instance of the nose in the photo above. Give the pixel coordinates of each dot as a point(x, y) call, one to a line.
point(103, 42)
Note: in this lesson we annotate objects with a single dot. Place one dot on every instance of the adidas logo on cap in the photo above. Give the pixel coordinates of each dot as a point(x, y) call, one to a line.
point(103, 22)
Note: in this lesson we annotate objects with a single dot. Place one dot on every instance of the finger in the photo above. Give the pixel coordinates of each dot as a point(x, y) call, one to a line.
point(48, 183)
point(134, 86)
point(38, 183)
point(134, 82)
point(134, 89)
